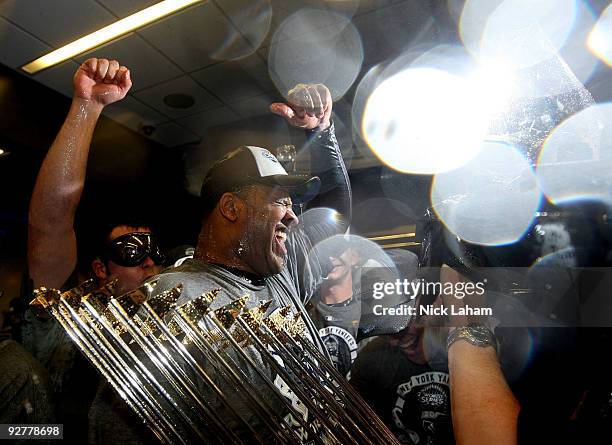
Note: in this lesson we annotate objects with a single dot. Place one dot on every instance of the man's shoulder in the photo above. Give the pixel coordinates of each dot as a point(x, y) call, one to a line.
point(189, 270)
point(193, 276)
point(196, 277)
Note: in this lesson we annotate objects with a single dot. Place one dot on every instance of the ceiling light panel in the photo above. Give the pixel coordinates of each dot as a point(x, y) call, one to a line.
point(108, 33)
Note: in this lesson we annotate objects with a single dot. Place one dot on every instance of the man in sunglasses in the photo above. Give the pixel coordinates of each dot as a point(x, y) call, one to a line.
point(126, 250)
point(129, 253)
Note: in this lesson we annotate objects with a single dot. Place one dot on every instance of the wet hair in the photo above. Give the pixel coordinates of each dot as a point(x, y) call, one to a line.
point(94, 237)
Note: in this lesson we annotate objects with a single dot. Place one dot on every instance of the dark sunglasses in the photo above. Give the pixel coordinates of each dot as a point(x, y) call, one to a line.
point(132, 249)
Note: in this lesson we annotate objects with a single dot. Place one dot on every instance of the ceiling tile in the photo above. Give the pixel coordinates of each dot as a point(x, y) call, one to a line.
point(59, 77)
point(123, 8)
point(147, 66)
point(173, 135)
point(346, 7)
point(197, 38)
point(18, 47)
point(237, 80)
point(252, 18)
point(57, 22)
point(154, 97)
point(199, 123)
point(133, 114)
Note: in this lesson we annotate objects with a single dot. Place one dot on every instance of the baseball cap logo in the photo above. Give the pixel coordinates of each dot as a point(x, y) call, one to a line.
point(269, 155)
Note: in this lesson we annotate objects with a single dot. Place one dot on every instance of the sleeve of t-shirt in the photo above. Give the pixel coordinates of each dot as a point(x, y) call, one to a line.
point(327, 163)
point(316, 224)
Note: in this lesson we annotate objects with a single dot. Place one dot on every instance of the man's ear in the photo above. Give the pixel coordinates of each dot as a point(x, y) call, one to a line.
point(229, 206)
point(99, 269)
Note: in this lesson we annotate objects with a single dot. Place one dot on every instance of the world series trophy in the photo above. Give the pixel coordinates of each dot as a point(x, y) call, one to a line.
point(192, 375)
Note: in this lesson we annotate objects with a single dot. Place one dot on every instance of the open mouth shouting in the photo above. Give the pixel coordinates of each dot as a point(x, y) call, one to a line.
point(280, 237)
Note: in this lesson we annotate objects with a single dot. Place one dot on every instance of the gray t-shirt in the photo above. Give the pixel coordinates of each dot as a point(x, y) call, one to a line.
point(291, 287)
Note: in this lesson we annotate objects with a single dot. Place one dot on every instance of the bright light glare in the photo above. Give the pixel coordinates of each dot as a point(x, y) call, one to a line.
point(496, 87)
point(424, 121)
point(520, 33)
point(576, 159)
point(600, 39)
point(491, 200)
point(108, 33)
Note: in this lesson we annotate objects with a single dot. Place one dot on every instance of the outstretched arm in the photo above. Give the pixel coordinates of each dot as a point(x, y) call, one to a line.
point(52, 250)
point(309, 107)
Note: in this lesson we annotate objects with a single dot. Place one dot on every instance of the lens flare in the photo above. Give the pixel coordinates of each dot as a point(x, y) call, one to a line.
point(252, 20)
point(363, 254)
point(366, 87)
point(600, 39)
point(576, 159)
point(424, 121)
point(490, 201)
point(315, 46)
point(516, 33)
point(576, 53)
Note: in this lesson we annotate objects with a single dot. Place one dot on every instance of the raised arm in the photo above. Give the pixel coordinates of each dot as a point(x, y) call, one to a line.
point(309, 107)
point(52, 249)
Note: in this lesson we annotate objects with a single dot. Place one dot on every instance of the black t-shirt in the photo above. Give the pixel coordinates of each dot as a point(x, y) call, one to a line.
point(337, 326)
point(412, 399)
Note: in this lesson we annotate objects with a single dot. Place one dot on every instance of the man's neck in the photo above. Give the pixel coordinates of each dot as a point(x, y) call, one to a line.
point(215, 250)
point(337, 292)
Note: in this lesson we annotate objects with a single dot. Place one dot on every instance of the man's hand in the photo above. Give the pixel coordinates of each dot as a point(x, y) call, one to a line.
point(101, 81)
point(309, 106)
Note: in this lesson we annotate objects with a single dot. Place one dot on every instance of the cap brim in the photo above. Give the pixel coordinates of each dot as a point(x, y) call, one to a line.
point(302, 188)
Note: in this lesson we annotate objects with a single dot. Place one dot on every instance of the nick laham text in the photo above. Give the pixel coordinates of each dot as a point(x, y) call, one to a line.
point(406, 309)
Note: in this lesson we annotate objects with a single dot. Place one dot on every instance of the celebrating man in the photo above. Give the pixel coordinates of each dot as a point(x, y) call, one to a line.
point(244, 233)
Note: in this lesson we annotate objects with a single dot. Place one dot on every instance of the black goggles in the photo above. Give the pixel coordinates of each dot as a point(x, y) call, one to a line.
point(132, 249)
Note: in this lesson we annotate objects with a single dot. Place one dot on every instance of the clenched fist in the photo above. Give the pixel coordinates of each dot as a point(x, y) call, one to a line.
point(102, 81)
point(309, 106)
